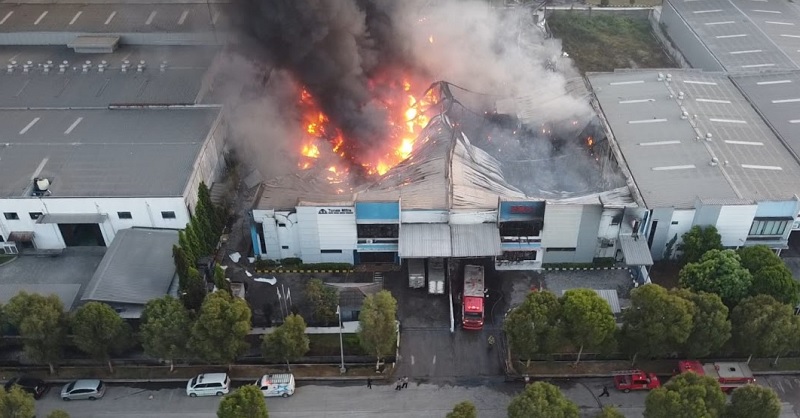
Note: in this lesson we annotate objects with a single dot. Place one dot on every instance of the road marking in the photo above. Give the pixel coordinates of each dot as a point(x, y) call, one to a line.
point(111, 16)
point(71, 127)
point(434, 359)
point(150, 18)
point(6, 17)
point(40, 18)
point(780, 386)
point(412, 360)
point(183, 17)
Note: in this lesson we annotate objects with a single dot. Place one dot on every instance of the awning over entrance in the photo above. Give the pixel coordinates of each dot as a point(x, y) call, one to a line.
point(425, 240)
point(72, 218)
point(635, 251)
point(21, 236)
point(479, 240)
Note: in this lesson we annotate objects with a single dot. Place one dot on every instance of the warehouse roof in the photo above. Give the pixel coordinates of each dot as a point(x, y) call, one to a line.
point(162, 16)
point(741, 160)
point(181, 82)
point(777, 99)
point(751, 36)
point(102, 152)
point(137, 267)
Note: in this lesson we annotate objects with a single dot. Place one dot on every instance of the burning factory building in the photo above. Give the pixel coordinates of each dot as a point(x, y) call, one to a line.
point(403, 137)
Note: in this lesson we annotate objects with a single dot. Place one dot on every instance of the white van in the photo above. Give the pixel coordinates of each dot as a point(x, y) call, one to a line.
point(209, 384)
point(276, 385)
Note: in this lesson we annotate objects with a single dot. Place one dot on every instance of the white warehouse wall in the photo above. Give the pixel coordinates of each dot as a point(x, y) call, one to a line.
point(145, 212)
point(680, 224)
point(734, 224)
point(208, 164)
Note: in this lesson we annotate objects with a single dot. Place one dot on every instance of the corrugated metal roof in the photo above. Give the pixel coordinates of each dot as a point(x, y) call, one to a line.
point(425, 240)
point(745, 37)
point(478, 240)
point(669, 165)
point(113, 153)
point(137, 267)
point(635, 250)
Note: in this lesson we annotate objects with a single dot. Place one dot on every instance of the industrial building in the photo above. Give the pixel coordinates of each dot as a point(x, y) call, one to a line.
point(106, 119)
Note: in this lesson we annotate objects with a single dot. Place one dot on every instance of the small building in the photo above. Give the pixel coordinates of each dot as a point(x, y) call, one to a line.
point(136, 269)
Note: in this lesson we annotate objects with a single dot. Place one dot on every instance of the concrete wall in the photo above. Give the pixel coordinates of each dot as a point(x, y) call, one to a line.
point(684, 38)
point(587, 237)
point(145, 212)
point(208, 164)
point(661, 233)
point(681, 223)
point(734, 224)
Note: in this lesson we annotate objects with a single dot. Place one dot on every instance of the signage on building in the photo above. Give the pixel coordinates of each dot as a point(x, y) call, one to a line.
point(335, 211)
point(522, 209)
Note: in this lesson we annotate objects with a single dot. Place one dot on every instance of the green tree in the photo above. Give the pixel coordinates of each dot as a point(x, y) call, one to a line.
point(58, 413)
point(204, 199)
point(323, 300)
point(463, 409)
point(181, 264)
point(542, 399)
point(247, 401)
point(711, 328)
point(587, 320)
point(718, 271)
point(699, 240)
point(195, 291)
point(658, 323)
point(763, 326)
point(41, 323)
point(218, 334)
point(165, 329)
point(195, 242)
point(288, 342)
point(219, 279)
point(609, 412)
point(377, 327)
point(770, 274)
point(203, 215)
point(16, 403)
point(99, 331)
point(753, 401)
point(533, 328)
point(186, 245)
point(687, 395)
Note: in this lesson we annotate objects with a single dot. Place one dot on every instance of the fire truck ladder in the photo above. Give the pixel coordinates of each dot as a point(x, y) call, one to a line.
point(625, 372)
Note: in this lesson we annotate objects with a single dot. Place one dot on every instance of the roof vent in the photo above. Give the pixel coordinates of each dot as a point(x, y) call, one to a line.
point(125, 65)
point(102, 66)
point(726, 162)
point(709, 136)
point(87, 65)
point(41, 186)
point(163, 66)
point(669, 77)
point(697, 138)
point(140, 66)
point(27, 66)
point(47, 66)
point(63, 66)
point(11, 67)
point(660, 76)
point(684, 115)
point(714, 162)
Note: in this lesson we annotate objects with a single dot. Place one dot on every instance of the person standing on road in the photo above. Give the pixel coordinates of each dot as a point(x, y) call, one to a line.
point(399, 384)
point(605, 392)
point(405, 382)
point(369, 383)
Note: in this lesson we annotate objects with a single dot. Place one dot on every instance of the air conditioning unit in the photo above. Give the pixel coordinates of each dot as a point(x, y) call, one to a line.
point(369, 241)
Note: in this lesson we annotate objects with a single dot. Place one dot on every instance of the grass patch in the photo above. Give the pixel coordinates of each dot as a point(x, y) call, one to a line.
point(5, 257)
point(601, 43)
point(328, 345)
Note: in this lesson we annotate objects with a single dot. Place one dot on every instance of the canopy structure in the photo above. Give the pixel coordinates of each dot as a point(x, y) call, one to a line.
point(478, 240)
point(425, 240)
point(635, 250)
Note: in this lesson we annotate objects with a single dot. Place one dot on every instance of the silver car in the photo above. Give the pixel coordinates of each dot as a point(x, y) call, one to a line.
point(90, 389)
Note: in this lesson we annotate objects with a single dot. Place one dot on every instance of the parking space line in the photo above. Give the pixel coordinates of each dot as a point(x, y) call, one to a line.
point(780, 387)
point(434, 359)
point(412, 359)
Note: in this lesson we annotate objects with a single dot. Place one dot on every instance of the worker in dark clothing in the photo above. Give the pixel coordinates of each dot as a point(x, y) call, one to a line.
point(369, 383)
point(605, 392)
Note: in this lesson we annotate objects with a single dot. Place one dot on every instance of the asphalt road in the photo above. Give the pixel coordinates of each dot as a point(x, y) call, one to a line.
point(490, 395)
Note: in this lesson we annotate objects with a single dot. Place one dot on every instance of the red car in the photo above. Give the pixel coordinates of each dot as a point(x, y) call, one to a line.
point(628, 380)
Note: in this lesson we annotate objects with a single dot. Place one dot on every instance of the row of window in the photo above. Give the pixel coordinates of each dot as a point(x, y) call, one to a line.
point(769, 227)
point(14, 216)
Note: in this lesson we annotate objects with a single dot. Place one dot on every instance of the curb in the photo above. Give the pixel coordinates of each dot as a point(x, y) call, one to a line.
point(582, 268)
point(305, 271)
point(608, 375)
point(235, 379)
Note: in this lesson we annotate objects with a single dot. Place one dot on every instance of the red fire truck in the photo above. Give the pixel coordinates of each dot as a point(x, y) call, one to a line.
point(472, 303)
point(628, 380)
point(729, 375)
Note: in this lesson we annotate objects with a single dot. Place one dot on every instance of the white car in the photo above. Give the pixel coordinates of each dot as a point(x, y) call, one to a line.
point(209, 384)
point(276, 385)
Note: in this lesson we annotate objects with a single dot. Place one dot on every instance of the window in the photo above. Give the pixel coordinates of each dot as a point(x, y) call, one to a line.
point(331, 251)
point(127, 215)
point(556, 249)
point(2, 239)
point(35, 215)
point(769, 227)
point(282, 225)
point(285, 247)
point(168, 215)
point(674, 222)
point(11, 216)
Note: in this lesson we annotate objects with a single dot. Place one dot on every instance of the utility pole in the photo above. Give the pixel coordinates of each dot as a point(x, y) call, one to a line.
point(342, 369)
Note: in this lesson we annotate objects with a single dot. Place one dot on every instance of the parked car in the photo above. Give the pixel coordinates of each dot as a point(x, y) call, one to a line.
point(209, 384)
point(276, 385)
point(35, 387)
point(91, 389)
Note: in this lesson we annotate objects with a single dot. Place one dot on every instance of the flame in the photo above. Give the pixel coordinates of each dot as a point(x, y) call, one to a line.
point(430, 39)
point(323, 140)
